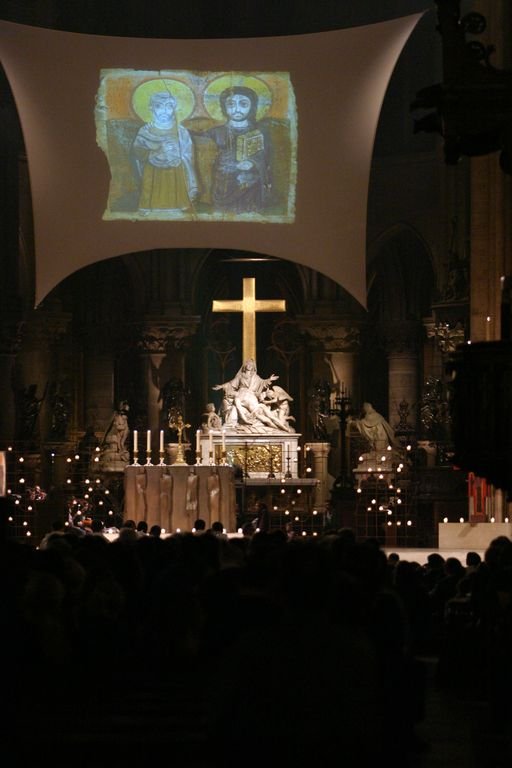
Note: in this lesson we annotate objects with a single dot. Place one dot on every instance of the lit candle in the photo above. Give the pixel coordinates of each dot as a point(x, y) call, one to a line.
point(210, 442)
point(198, 441)
point(223, 439)
point(148, 441)
point(135, 440)
point(161, 441)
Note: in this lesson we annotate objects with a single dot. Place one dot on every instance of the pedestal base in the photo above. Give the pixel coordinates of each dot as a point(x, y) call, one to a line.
point(469, 536)
point(257, 455)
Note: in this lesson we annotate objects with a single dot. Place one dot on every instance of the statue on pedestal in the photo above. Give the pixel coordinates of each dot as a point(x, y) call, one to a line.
point(114, 454)
point(211, 419)
point(253, 404)
point(374, 427)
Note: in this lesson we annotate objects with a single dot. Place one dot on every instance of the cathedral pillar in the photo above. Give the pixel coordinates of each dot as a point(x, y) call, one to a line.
point(337, 346)
point(10, 340)
point(40, 366)
point(163, 346)
point(401, 341)
point(334, 349)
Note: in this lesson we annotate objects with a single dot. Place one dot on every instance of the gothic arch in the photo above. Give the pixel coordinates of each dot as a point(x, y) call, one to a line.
point(401, 277)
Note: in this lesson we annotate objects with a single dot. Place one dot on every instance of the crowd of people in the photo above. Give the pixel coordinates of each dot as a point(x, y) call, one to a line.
point(225, 651)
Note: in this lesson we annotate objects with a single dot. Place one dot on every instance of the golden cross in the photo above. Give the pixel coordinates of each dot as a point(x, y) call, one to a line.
point(248, 306)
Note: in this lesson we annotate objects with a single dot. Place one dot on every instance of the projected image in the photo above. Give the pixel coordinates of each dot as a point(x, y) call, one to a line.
point(192, 146)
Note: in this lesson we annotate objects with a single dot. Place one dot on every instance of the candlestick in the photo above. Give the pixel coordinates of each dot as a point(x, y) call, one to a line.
point(161, 462)
point(148, 447)
point(198, 441)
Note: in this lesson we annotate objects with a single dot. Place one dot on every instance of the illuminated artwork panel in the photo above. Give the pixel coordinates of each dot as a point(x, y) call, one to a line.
point(198, 146)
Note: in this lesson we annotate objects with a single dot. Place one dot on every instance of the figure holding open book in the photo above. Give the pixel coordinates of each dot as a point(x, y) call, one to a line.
point(241, 173)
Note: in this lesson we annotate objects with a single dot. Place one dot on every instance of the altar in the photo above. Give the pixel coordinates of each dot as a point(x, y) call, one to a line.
point(257, 455)
point(174, 496)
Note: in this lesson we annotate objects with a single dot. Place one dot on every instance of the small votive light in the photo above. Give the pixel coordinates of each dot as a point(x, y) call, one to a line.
point(390, 511)
point(287, 511)
point(315, 512)
point(445, 519)
point(359, 490)
point(389, 522)
point(388, 448)
point(304, 533)
point(461, 519)
point(299, 490)
point(399, 522)
point(374, 501)
point(409, 522)
point(68, 460)
point(178, 530)
point(360, 458)
point(21, 459)
point(506, 519)
point(77, 456)
point(296, 519)
point(493, 520)
point(383, 458)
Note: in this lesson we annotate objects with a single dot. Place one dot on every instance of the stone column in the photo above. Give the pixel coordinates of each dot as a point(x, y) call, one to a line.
point(10, 340)
point(320, 453)
point(339, 349)
point(401, 340)
point(338, 346)
point(163, 346)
